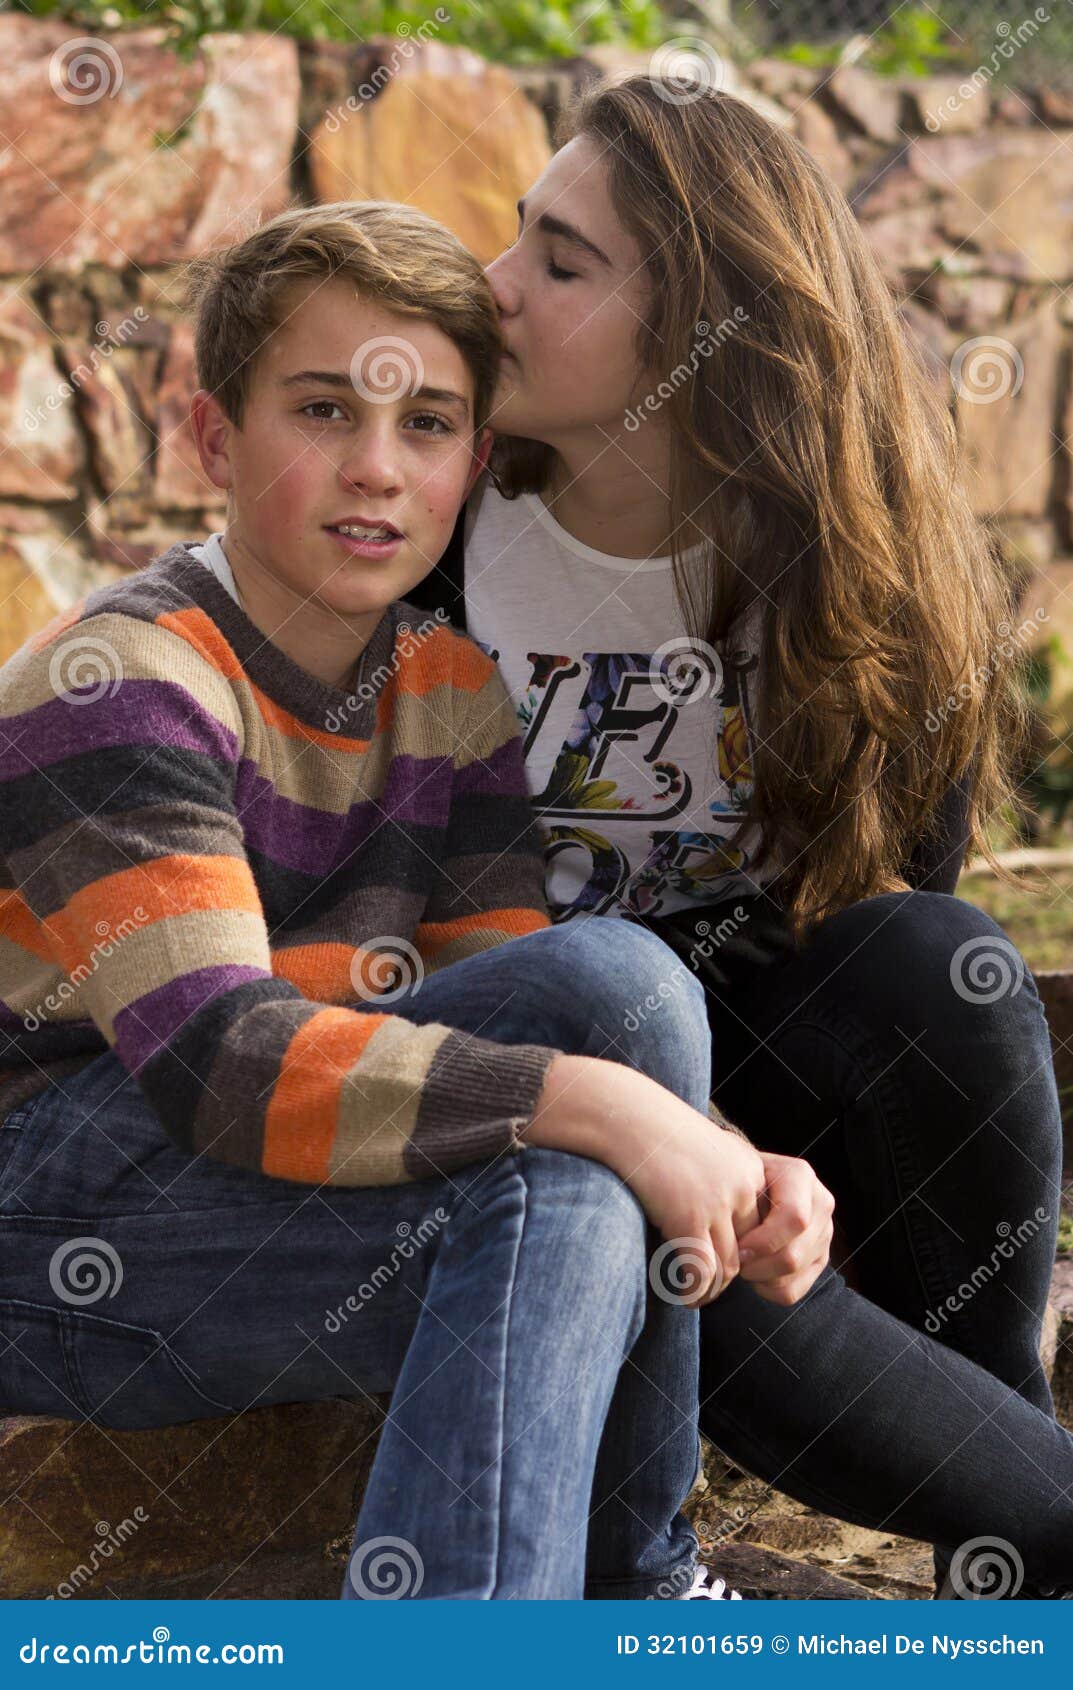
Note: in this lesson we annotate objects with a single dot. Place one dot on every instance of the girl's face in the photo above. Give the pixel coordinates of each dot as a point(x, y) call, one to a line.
point(572, 293)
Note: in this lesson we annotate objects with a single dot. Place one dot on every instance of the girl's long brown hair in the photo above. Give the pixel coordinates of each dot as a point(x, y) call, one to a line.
point(819, 461)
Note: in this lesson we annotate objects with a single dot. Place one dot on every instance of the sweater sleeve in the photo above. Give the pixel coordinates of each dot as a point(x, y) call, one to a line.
point(490, 879)
point(122, 843)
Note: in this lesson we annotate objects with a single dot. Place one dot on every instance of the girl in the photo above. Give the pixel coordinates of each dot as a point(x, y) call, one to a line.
point(757, 642)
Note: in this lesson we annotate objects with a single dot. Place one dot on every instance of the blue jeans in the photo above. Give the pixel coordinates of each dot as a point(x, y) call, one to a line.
point(904, 1052)
point(542, 1433)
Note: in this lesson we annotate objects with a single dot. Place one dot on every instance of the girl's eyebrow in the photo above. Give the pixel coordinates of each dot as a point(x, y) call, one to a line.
point(566, 231)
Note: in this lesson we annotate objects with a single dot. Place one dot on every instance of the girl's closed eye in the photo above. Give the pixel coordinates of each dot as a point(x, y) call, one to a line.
point(557, 273)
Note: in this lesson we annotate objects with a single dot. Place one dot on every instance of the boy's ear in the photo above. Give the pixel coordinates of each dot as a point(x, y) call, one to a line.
point(481, 451)
point(211, 429)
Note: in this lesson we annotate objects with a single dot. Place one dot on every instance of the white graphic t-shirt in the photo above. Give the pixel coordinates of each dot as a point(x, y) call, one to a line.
point(637, 736)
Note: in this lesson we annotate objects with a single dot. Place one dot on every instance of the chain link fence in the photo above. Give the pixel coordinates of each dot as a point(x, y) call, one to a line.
point(1015, 46)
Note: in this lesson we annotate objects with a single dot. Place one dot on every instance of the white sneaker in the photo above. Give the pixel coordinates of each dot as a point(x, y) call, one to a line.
point(707, 1587)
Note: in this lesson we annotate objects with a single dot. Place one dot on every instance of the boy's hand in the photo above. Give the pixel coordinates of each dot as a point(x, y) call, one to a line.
point(789, 1249)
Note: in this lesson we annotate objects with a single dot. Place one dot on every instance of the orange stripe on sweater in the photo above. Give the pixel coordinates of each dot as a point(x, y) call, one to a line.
point(431, 935)
point(19, 924)
point(300, 1121)
point(147, 893)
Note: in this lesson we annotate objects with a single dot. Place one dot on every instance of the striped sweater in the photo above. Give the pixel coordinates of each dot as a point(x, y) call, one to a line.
point(208, 854)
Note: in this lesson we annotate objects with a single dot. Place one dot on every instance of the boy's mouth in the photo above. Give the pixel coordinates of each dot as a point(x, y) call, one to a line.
point(365, 528)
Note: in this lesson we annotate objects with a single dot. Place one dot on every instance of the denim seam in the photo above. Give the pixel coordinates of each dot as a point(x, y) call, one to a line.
point(926, 1246)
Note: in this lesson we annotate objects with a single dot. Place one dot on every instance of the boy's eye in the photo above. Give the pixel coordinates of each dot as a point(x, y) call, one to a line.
point(558, 274)
point(312, 406)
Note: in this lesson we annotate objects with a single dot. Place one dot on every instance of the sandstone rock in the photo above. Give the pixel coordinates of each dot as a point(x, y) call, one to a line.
point(875, 103)
point(972, 303)
point(128, 153)
point(929, 338)
point(44, 569)
point(1055, 105)
point(181, 483)
point(1005, 194)
point(1006, 389)
point(783, 80)
point(445, 132)
point(119, 442)
point(817, 131)
point(41, 448)
point(949, 105)
point(204, 1495)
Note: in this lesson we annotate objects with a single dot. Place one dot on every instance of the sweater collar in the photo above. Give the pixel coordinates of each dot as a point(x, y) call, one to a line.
point(303, 695)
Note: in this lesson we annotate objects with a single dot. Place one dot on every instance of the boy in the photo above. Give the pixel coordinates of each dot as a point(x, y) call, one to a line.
point(244, 796)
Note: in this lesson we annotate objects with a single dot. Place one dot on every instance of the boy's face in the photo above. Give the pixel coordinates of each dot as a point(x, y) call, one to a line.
point(354, 414)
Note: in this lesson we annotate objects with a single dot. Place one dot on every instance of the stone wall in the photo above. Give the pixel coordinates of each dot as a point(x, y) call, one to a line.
point(123, 163)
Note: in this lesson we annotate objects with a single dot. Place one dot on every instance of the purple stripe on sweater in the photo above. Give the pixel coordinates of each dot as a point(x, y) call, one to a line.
point(150, 1021)
point(502, 771)
point(137, 713)
point(299, 836)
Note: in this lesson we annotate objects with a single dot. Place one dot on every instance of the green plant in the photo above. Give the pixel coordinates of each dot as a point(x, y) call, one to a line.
point(912, 43)
point(1045, 676)
point(512, 30)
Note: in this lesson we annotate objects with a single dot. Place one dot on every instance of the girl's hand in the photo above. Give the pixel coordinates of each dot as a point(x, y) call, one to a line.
point(783, 1256)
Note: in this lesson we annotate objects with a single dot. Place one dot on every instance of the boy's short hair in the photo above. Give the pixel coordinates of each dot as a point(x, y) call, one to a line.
point(394, 254)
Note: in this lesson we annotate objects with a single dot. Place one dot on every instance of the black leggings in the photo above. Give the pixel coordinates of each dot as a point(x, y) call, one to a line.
point(904, 1053)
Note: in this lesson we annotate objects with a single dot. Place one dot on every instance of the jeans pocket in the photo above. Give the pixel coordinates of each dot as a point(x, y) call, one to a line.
point(78, 1366)
point(14, 1130)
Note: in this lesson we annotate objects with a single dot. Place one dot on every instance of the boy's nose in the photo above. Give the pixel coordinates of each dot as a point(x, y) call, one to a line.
point(372, 463)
